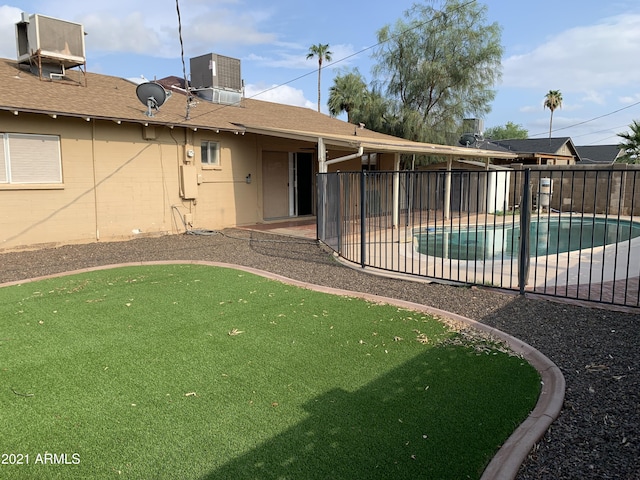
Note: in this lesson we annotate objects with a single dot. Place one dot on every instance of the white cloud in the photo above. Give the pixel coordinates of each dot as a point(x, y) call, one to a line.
point(629, 98)
point(9, 16)
point(567, 107)
point(224, 29)
point(582, 59)
point(279, 94)
point(593, 96)
point(107, 33)
point(134, 26)
point(295, 57)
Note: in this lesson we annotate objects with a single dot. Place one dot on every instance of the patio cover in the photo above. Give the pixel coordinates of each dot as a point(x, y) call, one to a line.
point(378, 143)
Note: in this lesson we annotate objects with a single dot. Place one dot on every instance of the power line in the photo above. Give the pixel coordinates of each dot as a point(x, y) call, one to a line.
point(184, 68)
point(590, 120)
point(602, 140)
point(608, 130)
point(312, 72)
point(600, 131)
point(365, 49)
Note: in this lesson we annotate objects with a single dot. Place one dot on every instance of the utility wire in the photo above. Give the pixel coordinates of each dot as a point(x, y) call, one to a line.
point(355, 54)
point(365, 49)
point(184, 68)
point(331, 64)
point(587, 121)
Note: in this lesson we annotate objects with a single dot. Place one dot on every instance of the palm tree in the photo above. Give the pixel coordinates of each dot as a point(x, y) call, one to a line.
point(552, 100)
point(347, 93)
point(322, 52)
point(631, 146)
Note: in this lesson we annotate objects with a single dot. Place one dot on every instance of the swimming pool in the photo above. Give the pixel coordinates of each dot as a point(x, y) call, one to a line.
point(547, 236)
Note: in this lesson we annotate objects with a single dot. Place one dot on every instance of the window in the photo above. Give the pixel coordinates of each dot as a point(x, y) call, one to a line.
point(210, 152)
point(29, 159)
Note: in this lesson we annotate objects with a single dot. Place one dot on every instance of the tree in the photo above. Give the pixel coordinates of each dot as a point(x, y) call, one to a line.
point(631, 145)
point(507, 131)
point(322, 52)
point(377, 114)
point(552, 100)
point(348, 92)
point(438, 67)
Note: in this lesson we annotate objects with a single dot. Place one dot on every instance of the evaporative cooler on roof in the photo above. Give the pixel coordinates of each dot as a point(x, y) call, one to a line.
point(49, 44)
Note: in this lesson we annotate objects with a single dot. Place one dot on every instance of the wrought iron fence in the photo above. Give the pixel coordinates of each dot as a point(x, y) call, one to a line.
point(582, 227)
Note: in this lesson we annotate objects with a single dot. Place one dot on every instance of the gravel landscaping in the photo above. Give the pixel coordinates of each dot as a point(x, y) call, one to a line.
point(597, 435)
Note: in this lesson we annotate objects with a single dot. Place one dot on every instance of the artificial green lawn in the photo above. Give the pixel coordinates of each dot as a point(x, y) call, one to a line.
point(190, 371)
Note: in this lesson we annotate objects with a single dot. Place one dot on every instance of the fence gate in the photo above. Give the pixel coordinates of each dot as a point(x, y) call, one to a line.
point(567, 232)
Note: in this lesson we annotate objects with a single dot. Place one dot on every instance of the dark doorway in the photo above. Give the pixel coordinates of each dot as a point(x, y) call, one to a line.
point(304, 181)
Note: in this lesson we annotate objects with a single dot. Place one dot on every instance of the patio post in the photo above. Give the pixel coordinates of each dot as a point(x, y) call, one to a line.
point(322, 156)
point(447, 189)
point(396, 190)
point(321, 215)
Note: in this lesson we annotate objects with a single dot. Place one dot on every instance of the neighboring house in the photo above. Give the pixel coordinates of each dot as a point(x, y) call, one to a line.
point(82, 160)
point(539, 151)
point(599, 154)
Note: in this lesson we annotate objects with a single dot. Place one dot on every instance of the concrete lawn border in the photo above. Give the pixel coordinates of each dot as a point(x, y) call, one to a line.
point(507, 461)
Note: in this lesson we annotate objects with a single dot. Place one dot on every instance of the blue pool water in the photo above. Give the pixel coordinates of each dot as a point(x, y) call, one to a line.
point(548, 236)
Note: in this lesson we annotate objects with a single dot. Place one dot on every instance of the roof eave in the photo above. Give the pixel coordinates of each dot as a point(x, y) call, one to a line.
point(379, 145)
point(146, 121)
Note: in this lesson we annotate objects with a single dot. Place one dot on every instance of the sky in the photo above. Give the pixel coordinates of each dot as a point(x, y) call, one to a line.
point(587, 49)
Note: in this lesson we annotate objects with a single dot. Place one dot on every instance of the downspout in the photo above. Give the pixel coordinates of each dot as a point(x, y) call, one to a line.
point(95, 185)
point(344, 159)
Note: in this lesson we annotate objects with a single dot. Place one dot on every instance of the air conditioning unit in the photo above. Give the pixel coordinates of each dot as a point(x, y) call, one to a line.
point(216, 71)
point(227, 97)
point(51, 40)
point(217, 95)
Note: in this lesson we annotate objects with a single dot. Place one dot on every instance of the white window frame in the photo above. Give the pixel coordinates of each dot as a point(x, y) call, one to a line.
point(35, 159)
point(210, 153)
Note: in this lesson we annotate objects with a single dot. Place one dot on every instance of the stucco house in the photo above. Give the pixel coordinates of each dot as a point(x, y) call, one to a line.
point(83, 159)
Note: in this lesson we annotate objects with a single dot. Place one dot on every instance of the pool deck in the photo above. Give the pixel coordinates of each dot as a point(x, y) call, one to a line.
point(303, 227)
point(608, 274)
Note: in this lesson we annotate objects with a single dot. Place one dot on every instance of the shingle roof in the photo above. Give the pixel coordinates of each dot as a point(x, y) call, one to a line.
point(489, 145)
point(113, 98)
point(603, 154)
point(534, 145)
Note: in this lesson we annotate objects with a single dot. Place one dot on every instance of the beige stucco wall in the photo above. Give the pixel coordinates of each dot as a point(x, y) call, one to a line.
point(34, 214)
point(136, 179)
point(122, 180)
point(224, 197)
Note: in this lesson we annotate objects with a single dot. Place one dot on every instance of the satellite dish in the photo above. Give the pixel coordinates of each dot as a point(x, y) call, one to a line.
point(151, 94)
point(467, 139)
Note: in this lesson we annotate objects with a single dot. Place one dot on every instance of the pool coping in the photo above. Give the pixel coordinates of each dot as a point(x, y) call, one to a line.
point(507, 461)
